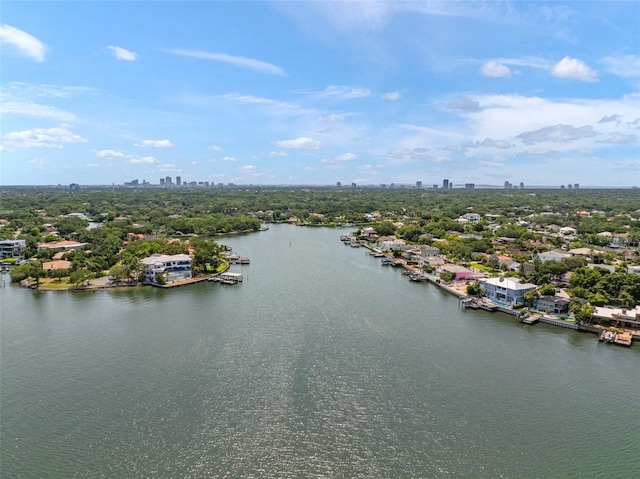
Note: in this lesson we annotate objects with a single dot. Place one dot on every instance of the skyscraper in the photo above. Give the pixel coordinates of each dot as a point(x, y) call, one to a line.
point(168, 181)
point(178, 181)
point(445, 184)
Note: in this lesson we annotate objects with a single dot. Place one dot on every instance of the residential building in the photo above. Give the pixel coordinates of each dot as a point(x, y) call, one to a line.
point(508, 291)
point(620, 317)
point(12, 248)
point(461, 272)
point(171, 267)
point(472, 217)
point(553, 255)
point(61, 246)
point(552, 304)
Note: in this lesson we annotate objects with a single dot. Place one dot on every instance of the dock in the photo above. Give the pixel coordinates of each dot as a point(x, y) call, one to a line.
point(227, 278)
point(622, 338)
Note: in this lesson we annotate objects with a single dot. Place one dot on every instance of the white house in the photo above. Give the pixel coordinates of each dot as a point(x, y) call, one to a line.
point(553, 255)
point(506, 290)
point(170, 267)
point(471, 217)
point(12, 248)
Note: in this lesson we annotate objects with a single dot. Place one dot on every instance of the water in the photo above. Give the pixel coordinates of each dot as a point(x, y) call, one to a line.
point(321, 364)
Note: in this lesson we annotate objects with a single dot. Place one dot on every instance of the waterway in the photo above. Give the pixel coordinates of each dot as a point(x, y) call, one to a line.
point(321, 363)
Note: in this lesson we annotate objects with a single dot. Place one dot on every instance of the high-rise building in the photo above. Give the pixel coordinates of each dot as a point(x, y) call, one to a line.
point(167, 181)
point(507, 185)
point(161, 181)
point(469, 186)
point(178, 181)
point(418, 184)
point(445, 184)
point(521, 185)
point(570, 186)
point(576, 186)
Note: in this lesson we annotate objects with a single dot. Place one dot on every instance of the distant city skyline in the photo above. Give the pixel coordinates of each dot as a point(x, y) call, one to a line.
point(312, 93)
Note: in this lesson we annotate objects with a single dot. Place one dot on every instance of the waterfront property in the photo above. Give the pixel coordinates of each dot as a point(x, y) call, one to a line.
point(552, 304)
point(162, 268)
point(12, 248)
point(508, 291)
point(619, 317)
point(461, 273)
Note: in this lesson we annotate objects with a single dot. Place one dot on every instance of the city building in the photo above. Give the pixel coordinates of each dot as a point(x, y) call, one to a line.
point(552, 304)
point(507, 185)
point(508, 291)
point(418, 184)
point(167, 181)
point(161, 181)
point(445, 184)
point(178, 181)
point(168, 267)
point(469, 186)
point(12, 248)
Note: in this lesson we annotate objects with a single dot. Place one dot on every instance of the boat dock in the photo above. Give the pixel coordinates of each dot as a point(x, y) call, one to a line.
point(227, 278)
point(622, 338)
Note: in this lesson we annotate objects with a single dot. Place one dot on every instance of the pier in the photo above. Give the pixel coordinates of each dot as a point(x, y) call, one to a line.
point(227, 278)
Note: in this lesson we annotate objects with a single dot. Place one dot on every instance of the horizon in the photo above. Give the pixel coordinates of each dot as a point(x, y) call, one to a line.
point(307, 93)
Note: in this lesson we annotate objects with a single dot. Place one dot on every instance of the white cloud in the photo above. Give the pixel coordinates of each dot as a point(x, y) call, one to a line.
point(228, 158)
point(627, 66)
point(156, 143)
point(332, 118)
point(345, 92)
point(36, 110)
point(346, 157)
point(297, 143)
point(168, 168)
point(109, 154)
point(278, 153)
point(574, 69)
point(146, 160)
point(495, 70)
point(26, 44)
point(489, 143)
point(122, 53)
point(248, 168)
point(194, 163)
point(37, 161)
point(557, 134)
point(42, 138)
point(391, 96)
point(214, 148)
point(20, 90)
point(249, 63)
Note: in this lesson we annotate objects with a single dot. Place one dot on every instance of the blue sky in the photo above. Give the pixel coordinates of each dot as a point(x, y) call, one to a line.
point(302, 92)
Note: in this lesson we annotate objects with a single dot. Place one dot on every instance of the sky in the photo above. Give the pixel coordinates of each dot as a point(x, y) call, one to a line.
point(315, 93)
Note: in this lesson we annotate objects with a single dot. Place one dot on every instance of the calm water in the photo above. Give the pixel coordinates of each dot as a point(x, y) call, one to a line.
point(321, 364)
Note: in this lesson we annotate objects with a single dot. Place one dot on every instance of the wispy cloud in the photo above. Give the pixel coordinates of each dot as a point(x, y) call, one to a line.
point(42, 138)
point(122, 53)
point(299, 143)
point(557, 134)
point(243, 62)
point(214, 148)
point(345, 92)
point(156, 143)
point(144, 160)
point(26, 44)
point(391, 96)
point(624, 65)
point(35, 110)
point(574, 69)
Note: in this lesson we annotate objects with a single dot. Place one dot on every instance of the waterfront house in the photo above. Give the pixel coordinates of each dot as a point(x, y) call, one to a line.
point(620, 317)
point(506, 290)
point(461, 272)
point(12, 248)
point(170, 267)
point(552, 304)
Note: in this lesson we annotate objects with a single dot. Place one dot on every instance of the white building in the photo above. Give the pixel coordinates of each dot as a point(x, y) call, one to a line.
point(553, 255)
point(506, 290)
point(12, 248)
point(170, 267)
